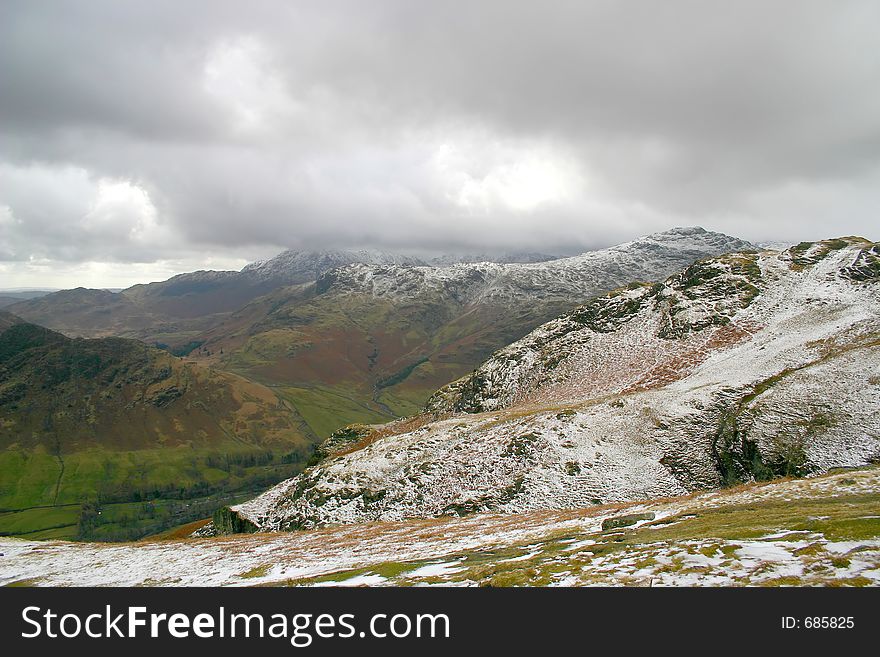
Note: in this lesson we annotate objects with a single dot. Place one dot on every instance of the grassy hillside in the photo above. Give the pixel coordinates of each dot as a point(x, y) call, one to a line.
point(110, 438)
point(344, 358)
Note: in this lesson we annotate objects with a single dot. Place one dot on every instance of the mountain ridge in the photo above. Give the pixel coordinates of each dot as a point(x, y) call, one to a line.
point(192, 295)
point(717, 375)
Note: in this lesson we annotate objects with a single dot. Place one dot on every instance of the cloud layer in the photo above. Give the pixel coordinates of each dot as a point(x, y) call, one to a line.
point(143, 138)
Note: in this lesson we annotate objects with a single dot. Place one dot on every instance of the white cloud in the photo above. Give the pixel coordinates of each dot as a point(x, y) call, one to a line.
point(123, 210)
point(489, 176)
point(240, 75)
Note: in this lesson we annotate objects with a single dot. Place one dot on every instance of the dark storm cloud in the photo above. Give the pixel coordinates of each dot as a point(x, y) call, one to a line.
point(144, 131)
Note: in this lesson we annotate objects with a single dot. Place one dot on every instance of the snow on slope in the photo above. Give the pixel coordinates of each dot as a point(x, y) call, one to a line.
point(305, 266)
point(449, 259)
point(740, 367)
point(578, 277)
point(757, 534)
point(647, 258)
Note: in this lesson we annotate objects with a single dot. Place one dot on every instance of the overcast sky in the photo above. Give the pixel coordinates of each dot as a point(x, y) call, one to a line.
point(141, 139)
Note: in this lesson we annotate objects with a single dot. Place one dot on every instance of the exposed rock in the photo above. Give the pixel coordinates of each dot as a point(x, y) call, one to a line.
point(227, 521)
point(626, 521)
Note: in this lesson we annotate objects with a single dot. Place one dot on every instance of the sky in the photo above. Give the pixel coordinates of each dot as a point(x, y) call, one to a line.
point(141, 139)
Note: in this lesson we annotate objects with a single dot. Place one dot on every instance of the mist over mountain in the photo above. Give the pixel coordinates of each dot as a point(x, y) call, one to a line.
point(447, 260)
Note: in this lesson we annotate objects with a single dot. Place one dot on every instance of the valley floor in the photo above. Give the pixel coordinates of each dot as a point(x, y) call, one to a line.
point(820, 531)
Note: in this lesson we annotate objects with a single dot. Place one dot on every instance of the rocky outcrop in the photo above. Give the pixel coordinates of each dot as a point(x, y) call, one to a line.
point(227, 521)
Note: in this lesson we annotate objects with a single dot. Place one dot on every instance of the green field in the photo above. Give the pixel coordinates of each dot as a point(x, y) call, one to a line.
point(116, 495)
point(326, 409)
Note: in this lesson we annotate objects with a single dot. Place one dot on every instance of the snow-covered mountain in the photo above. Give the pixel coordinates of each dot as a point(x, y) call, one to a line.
point(448, 259)
point(294, 267)
point(565, 279)
point(739, 367)
point(305, 266)
point(177, 310)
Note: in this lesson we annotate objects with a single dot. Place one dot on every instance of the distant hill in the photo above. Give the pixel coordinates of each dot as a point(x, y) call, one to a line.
point(172, 312)
point(9, 297)
point(83, 312)
point(7, 320)
point(115, 422)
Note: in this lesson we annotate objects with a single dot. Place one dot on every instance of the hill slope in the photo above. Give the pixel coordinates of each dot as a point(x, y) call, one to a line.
point(7, 320)
point(740, 367)
point(113, 421)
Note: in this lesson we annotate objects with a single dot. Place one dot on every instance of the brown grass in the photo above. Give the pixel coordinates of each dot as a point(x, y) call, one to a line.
point(680, 365)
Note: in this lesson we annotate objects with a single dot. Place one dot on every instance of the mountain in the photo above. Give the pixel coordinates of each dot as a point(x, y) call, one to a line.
point(741, 367)
point(22, 293)
point(295, 267)
point(197, 294)
point(362, 342)
point(9, 297)
point(113, 425)
point(179, 308)
point(366, 343)
point(83, 312)
point(554, 281)
point(204, 293)
point(449, 259)
point(174, 312)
